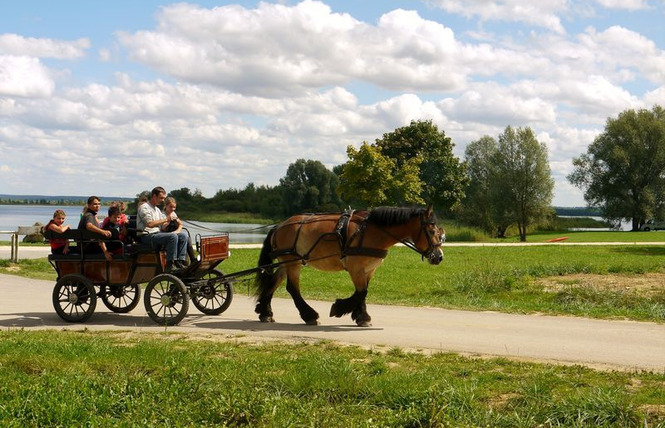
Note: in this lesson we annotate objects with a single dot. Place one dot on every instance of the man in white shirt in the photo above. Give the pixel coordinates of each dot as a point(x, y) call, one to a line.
point(149, 219)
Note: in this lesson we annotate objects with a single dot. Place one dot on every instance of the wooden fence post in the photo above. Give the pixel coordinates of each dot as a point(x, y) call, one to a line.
point(14, 249)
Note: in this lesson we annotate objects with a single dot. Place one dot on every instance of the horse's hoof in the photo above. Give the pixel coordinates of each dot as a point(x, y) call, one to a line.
point(334, 312)
point(312, 322)
point(266, 318)
point(364, 324)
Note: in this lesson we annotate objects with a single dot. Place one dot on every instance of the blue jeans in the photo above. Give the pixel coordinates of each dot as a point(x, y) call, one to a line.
point(175, 243)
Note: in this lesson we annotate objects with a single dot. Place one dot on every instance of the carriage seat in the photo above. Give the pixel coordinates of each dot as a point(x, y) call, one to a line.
point(81, 236)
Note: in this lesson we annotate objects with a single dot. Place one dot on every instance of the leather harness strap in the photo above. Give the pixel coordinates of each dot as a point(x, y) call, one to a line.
point(341, 232)
point(359, 250)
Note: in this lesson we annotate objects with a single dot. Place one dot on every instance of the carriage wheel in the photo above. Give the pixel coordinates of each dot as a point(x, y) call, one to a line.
point(121, 298)
point(74, 298)
point(166, 299)
point(215, 297)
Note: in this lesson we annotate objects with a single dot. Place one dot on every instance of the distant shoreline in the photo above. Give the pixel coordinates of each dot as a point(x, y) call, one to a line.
point(55, 200)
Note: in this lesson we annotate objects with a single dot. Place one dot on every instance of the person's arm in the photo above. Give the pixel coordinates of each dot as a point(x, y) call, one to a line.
point(93, 228)
point(107, 254)
point(149, 218)
point(58, 229)
point(179, 226)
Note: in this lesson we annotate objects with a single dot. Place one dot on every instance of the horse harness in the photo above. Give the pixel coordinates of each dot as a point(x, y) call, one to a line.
point(340, 234)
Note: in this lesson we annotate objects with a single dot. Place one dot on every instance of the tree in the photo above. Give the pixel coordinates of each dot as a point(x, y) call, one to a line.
point(309, 186)
point(522, 176)
point(623, 170)
point(477, 206)
point(186, 198)
point(443, 175)
point(370, 179)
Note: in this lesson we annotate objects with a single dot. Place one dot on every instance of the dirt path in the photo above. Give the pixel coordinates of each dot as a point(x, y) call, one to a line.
point(627, 345)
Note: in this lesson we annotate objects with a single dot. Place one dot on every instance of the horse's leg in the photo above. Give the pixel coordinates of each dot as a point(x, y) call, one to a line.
point(307, 313)
point(356, 303)
point(263, 303)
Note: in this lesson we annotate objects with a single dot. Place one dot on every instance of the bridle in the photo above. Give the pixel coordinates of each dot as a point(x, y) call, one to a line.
point(432, 246)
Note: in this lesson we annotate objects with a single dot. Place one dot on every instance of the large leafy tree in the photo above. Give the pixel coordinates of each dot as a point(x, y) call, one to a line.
point(623, 170)
point(442, 174)
point(309, 186)
point(370, 179)
point(522, 176)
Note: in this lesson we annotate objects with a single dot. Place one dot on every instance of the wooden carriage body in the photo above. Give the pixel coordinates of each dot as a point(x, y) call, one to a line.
point(84, 275)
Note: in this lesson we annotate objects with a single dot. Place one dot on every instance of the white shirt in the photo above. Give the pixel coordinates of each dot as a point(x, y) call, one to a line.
point(147, 213)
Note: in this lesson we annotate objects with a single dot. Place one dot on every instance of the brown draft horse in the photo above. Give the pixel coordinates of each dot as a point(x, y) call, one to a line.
point(353, 241)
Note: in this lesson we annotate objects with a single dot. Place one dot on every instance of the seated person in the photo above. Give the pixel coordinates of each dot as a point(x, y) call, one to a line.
point(150, 219)
point(90, 223)
point(112, 223)
point(58, 246)
point(174, 224)
point(123, 220)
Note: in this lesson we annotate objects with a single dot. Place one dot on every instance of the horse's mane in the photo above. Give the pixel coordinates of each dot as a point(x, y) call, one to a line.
point(391, 216)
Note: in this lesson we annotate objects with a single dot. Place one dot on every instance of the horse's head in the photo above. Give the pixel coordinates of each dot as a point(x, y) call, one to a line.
point(430, 237)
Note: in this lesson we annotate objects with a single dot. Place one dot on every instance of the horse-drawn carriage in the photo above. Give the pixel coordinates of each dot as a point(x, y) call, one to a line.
point(85, 276)
point(355, 241)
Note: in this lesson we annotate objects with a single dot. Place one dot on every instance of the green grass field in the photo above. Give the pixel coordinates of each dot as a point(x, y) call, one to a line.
point(117, 379)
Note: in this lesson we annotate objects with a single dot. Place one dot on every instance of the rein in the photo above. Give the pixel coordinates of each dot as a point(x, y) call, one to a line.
point(254, 229)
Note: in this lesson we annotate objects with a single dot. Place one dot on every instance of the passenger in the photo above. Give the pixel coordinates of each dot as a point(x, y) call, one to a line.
point(58, 246)
point(122, 221)
point(174, 224)
point(143, 199)
point(90, 223)
point(112, 224)
point(149, 220)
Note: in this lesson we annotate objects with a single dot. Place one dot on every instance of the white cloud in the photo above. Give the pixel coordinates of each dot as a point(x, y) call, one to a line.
point(543, 13)
point(624, 4)
point(22, 76)
point(281, 50)
point(657, 96)
point(499, 105)
point(104, 55)
point(619, 47)
point(14, 44)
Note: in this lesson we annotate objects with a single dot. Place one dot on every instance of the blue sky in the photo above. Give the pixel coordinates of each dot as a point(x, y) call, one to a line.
point(113, 98)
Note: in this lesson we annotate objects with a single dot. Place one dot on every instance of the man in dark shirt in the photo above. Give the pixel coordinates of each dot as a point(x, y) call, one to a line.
point(90, 223)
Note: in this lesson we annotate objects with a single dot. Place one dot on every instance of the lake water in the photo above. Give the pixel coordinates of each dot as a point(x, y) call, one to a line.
point(12, 216)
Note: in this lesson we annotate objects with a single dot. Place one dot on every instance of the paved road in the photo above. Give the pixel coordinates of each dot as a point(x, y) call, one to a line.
point(628, 345)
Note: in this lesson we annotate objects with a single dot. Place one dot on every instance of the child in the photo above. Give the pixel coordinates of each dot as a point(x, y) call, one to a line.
point(122, 218)
point(58, 246)
point(174, 225)
point(112, 224)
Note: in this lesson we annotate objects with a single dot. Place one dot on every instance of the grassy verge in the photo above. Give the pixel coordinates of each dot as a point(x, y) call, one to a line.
point(115, 379)
point(593, 236)
point(29, 268)
point(507, 279)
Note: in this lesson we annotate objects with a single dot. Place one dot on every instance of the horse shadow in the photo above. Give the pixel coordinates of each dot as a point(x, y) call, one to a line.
point(40, 320)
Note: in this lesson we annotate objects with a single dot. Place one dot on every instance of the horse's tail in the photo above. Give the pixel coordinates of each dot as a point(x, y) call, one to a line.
point(265, 277)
